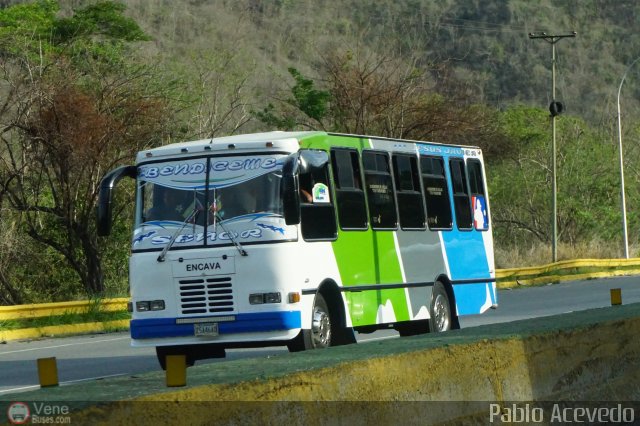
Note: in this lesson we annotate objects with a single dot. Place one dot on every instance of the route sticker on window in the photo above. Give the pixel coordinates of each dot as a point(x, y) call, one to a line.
point(480, 215)
point(320, 193)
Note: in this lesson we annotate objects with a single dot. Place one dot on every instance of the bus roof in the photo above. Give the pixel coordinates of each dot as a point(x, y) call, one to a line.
point(281, 141)
point(284, 140)
point(383, 138)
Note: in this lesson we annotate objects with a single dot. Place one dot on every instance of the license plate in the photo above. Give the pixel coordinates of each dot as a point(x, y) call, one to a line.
point(206, 329)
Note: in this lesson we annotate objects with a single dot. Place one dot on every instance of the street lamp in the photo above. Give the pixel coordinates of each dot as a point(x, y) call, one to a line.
point(555, 108)
point(622, 196)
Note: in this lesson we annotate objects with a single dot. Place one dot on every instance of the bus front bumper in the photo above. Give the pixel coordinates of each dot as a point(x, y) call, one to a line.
point(240, 326)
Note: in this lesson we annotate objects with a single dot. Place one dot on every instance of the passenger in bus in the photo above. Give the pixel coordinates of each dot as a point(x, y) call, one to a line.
point(238, 201)
point(168, 205)
point(306, 184)
point(305, 196)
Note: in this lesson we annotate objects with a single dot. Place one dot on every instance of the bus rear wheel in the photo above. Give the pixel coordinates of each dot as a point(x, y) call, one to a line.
point(440, 310)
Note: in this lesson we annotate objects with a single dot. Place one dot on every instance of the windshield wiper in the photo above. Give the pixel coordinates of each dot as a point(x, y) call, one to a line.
point(213, 207)
point(192, 216)
point(218, 221)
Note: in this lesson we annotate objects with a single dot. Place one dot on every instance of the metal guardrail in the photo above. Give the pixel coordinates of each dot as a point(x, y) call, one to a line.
point(568, 264)
point(560, 271)
point(60, 308)
point(551, 272)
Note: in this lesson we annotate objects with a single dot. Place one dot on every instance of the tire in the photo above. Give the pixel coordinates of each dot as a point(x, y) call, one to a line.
point(440, 310)
point(321, 324)
point(325, 330)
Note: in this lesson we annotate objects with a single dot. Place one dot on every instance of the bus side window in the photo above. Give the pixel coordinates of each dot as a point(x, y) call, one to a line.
point(377, 175)
point(410, 200)
point(317, 214)
point(461, 200)
point(478, 196)
point(352, 212)
point(436, 193)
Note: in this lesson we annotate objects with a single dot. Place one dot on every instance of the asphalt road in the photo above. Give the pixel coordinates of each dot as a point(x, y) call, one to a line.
point(92, 357)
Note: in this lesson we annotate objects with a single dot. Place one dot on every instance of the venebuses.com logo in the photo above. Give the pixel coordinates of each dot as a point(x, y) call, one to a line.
point(18, 413)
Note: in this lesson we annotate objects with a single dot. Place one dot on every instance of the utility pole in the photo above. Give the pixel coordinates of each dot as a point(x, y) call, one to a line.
point(555, 108)
point(625, 235)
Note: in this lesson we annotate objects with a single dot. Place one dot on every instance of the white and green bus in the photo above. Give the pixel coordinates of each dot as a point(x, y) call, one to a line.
point(301, 239)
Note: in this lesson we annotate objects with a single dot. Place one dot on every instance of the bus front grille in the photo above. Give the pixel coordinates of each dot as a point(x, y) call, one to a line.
point(206, 295)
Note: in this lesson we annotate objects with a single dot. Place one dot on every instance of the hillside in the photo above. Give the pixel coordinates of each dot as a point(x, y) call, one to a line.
point(483, 44)
point(462, 71)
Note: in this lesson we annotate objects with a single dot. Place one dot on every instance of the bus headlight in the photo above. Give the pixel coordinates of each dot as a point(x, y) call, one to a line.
point(260, 298)
point(156, 305)
point(272, 298)
point(150, 305)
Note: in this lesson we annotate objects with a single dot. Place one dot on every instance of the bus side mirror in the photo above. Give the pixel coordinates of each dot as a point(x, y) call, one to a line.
point(289, 191)
point(105, 197)
point(291, 200)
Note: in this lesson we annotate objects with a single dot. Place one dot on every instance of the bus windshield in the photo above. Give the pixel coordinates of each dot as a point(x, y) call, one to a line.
point(238, 199)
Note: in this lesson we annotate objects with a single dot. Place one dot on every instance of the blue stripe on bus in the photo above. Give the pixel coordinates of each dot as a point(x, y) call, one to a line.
point(244, 323)
point(467, 258)
point(465, 250)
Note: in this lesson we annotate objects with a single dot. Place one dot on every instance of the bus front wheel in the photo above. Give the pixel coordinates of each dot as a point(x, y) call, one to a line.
point(321, 333)
point(321, 324)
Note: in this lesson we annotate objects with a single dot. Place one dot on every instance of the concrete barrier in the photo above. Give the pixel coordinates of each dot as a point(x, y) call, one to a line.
point(459, 377)
point(16, 312)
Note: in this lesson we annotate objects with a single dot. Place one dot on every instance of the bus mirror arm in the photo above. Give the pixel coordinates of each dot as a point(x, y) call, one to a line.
point(105, 197)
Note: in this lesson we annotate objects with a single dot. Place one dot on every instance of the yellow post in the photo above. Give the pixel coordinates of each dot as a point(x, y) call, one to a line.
point(47, 372)
point(616, 296)
point(176, 370)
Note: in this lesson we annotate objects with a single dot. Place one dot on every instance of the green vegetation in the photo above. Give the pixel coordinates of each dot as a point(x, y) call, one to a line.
point(86, 84)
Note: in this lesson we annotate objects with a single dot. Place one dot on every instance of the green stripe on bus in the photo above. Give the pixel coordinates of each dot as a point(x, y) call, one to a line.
point(365, 258)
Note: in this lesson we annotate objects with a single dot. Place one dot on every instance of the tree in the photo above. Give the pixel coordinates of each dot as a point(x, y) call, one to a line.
point(386, 96)
point(520, 183)
point(214, 95)
point(73, 108)
point(307, 108)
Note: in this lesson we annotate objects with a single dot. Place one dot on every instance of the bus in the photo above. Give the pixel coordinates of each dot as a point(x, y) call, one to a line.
point(302, 239)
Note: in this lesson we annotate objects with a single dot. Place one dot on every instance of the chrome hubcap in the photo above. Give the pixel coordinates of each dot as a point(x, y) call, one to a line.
point(441, 313)
point(320, 328)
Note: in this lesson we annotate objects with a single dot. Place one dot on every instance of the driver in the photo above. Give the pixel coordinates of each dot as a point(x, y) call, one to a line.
point(169, 205)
